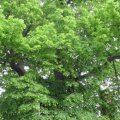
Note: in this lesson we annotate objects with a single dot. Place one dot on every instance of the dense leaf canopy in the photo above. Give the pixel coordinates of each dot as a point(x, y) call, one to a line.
point(72, 50)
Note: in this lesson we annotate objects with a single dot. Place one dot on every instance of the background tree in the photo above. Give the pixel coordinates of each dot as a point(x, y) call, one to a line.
point(72, 51)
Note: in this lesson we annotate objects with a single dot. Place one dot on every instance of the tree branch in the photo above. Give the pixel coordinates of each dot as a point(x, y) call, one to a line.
point(27, 30)
point(112, 58)
point(69, 1)
point(115, 70)
point(109, 59)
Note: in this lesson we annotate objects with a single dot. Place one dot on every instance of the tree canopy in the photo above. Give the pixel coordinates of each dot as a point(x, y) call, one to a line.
point(72, 50)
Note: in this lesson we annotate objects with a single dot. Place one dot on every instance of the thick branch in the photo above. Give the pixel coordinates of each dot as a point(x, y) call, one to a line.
point(58, 75)
point(10, 57)
point(112, 58)
point(19, 68)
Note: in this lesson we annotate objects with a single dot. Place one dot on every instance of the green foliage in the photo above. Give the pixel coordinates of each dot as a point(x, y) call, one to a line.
point(80, 42)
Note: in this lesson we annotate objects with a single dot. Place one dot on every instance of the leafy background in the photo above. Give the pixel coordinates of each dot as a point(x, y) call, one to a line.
point(70, 50)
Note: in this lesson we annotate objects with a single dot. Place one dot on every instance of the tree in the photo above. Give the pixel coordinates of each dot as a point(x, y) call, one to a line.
point(71, 49)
